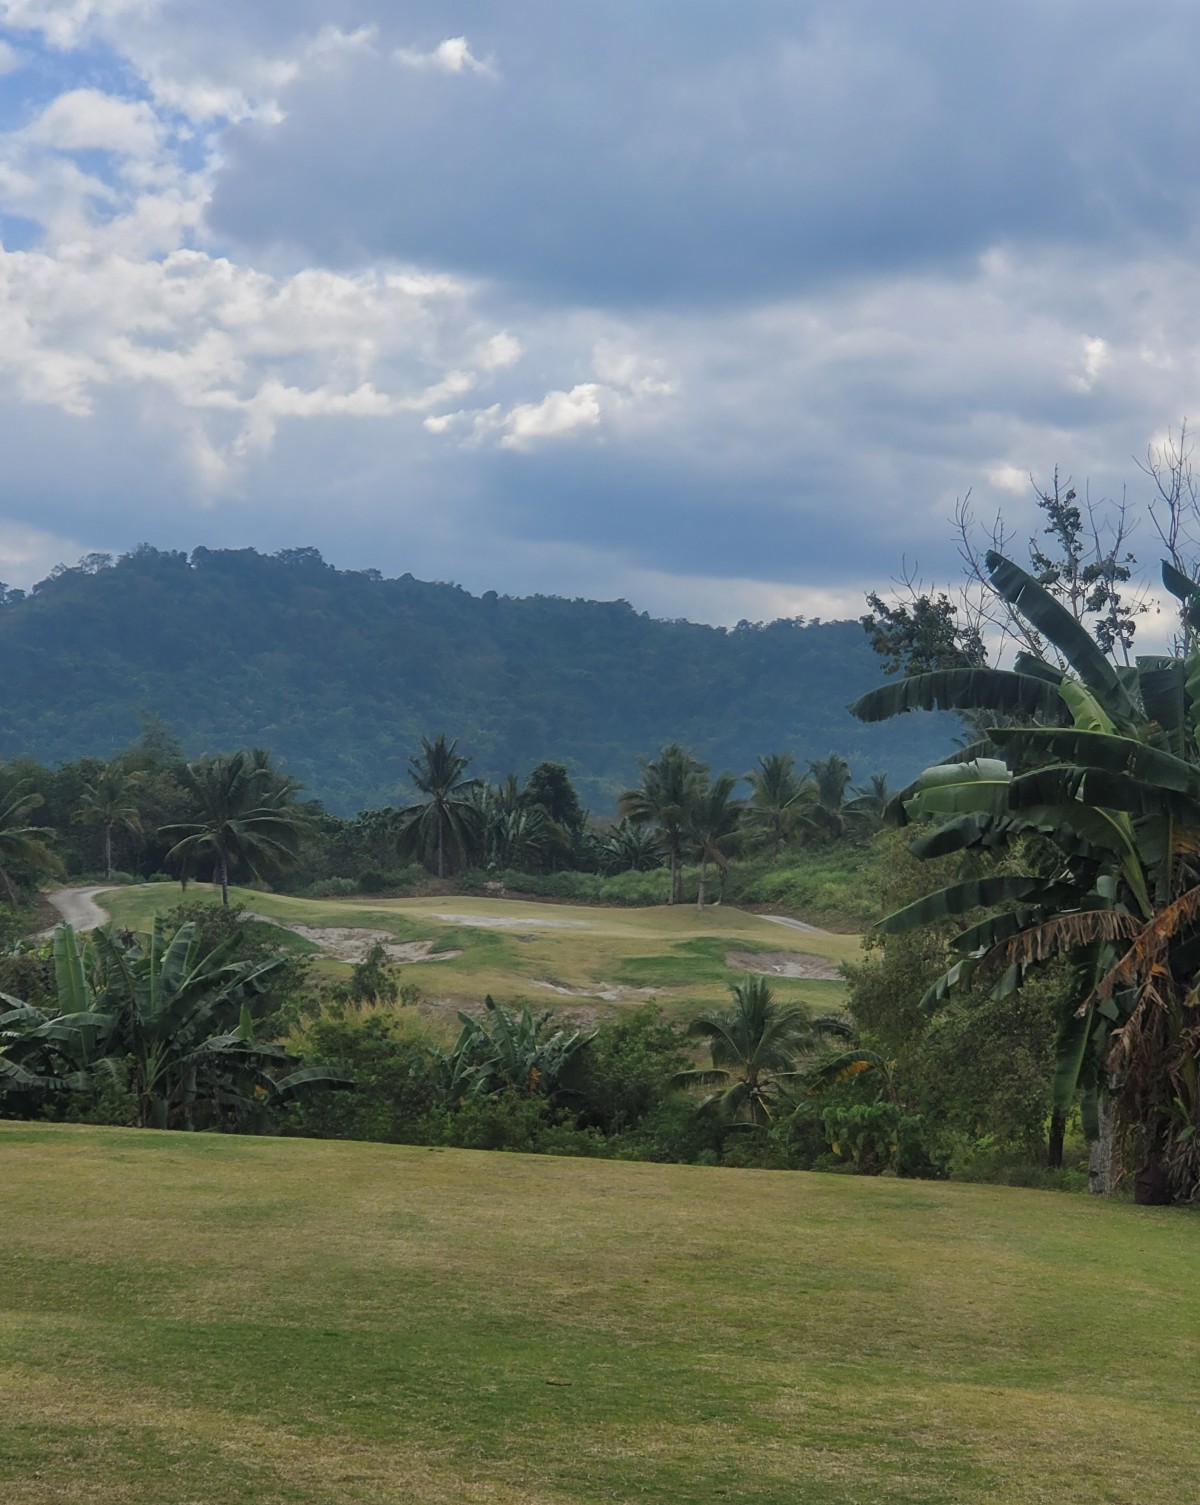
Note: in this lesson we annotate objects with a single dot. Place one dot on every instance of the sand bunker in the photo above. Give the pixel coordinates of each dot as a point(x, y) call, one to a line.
point(347, 943)
point(605, 992)
point(783, 964)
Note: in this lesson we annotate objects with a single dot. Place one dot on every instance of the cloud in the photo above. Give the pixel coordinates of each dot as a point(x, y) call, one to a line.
point(453, 55)
point(759, 152)
point(721, 317)
point(88, 120)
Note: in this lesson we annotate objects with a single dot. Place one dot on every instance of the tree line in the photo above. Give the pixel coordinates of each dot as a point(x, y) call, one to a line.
point(150, 813)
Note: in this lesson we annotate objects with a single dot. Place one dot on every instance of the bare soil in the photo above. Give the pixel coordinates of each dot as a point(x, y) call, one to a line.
point(783, 964)
point(347, 943)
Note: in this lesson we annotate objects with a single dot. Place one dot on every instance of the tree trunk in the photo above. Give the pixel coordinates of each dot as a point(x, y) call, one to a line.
point(108, 851)
point(1100, 1159)
point(441, 845)
point(700, 891)
point(671, 890)
point(677, 878)
point(1054, 1149)
point(223, 870)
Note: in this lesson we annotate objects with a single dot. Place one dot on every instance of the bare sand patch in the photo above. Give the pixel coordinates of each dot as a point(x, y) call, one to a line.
point(783, 964)
point(604, 992)
point(347, 943)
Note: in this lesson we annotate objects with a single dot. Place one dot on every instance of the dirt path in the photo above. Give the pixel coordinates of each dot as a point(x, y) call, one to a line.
point(78, 907)
point(778, 919)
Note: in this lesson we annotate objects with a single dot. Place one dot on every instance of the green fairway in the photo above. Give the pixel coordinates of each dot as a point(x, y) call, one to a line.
point(572, 956)
point(204, 1320)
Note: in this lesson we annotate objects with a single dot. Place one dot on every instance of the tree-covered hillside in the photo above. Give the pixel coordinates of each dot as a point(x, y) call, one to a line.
point(339, 672)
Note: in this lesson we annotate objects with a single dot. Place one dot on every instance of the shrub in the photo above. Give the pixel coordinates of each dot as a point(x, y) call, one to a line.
point(331, 888)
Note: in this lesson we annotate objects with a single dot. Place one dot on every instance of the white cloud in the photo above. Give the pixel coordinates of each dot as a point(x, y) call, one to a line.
point(454, 55)
point(557, 414)
point(499, 352)
point(87, 120)
point(66, 23)
point(29, 554)
point(1096, 357)
point(10, 58)
point(1009, 478)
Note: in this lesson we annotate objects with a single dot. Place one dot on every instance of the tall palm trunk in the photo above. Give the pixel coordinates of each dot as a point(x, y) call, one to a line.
point(671, 889)
point(223, 871)
point(108, 867)
point(1054, 1149)
point(441, 843)
point(700, 890)
point(676, 876)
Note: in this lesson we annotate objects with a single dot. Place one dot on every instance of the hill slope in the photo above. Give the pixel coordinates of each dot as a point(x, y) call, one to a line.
point(209, 1318)
point(339, 672)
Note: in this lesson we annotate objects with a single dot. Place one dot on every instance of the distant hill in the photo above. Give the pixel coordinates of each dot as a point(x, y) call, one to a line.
point(339, 672)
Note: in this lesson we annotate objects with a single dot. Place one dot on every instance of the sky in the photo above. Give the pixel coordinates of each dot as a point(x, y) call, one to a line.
point(717, 308)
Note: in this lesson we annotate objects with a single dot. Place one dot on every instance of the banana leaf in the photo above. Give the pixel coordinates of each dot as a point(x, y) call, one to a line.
point(1055, 622)
point(1163, 687)
point(1113, 754)
point(1070, 1050)
point(966, 832)
point(978, 689)
point(1029, 663)
point(1178, 583)
point(961, 898)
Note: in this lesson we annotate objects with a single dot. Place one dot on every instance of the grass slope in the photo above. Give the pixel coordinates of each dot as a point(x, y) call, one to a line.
point(674, 952)
point(219, 1321)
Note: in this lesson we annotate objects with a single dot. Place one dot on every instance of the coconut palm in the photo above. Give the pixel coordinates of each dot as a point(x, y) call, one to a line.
point(714, 828)
point(664, 801)
point(755, 1048)
point(444, 826)
point(781, 803)
point(111, 802)
point(242, 814)
point(22, 844)
point(831, 776)
point(868, 803)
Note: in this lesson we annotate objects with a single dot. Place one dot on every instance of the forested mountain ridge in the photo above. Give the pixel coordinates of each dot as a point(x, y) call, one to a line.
point(340, 671)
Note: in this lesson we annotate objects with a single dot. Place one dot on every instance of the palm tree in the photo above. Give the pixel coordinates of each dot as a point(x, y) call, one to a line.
point(630, 849)
point(781, 804)
point(21, 844)
point(869, 803)
point(447, 822)
point(714, 828)
point(755, 1046)
point(242, 813)
point(664, 800)
point(831, 776)
point(110, 802)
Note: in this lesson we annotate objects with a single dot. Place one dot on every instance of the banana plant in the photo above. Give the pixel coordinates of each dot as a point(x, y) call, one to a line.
point(503, 1051)
point(173, 1025)
point(1096, 774)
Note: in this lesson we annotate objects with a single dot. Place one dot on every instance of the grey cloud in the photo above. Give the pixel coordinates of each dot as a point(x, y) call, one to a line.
point(632, 153)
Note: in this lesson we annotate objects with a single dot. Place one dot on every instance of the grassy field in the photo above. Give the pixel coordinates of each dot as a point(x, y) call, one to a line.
point(562, 954)
point(204, 1320)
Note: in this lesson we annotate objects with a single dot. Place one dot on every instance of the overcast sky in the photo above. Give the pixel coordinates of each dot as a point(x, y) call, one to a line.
point(715, 306)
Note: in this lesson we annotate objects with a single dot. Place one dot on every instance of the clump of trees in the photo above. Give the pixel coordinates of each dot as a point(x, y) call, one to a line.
point(1073, 825)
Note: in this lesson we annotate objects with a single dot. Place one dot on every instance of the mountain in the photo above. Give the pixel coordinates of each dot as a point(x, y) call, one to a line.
point(339, 672)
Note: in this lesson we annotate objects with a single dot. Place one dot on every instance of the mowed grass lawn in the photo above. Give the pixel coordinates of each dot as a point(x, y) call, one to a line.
point(525, 950)
point(207, 1320)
